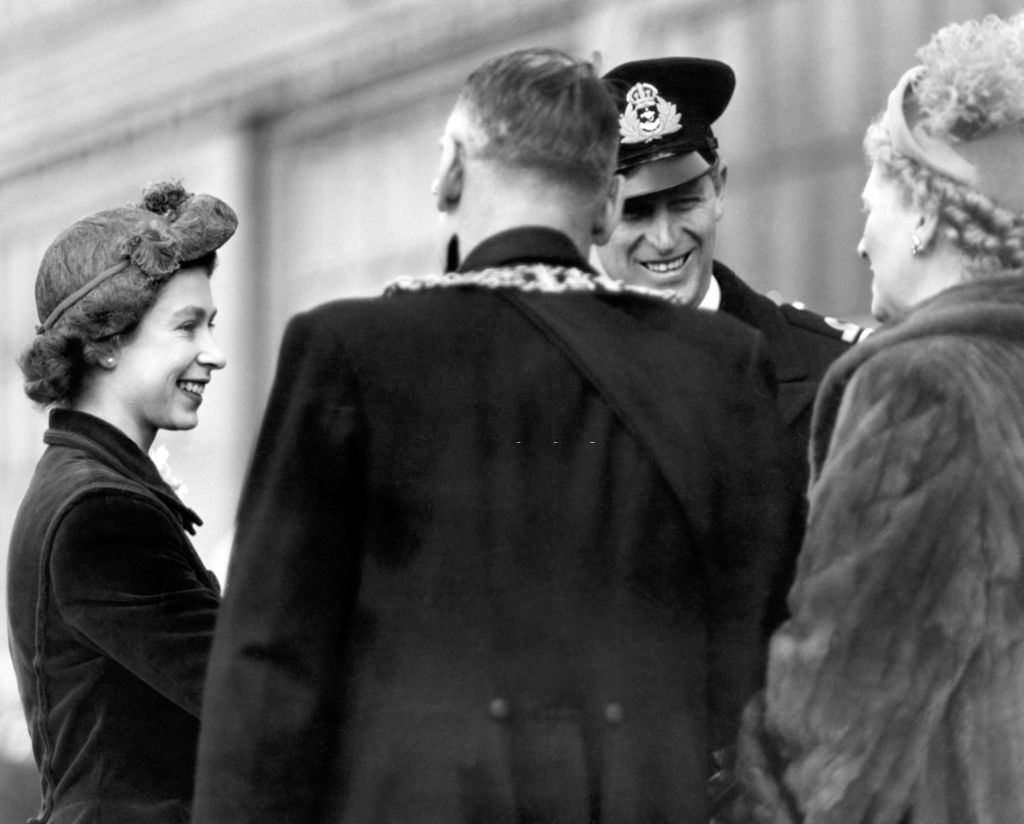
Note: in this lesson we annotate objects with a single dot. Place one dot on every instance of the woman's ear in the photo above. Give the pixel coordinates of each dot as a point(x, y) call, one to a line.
point(609, 212)
point(107, 353)
point(927, 226)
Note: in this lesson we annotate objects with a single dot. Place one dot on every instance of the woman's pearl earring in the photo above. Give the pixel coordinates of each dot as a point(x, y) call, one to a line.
point(915, 245)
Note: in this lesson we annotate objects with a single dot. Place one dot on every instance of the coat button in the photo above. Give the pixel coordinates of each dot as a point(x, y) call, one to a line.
point(613, 713)
point(498, 709)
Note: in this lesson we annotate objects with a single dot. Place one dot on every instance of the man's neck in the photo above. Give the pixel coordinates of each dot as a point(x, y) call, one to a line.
point(498, 201)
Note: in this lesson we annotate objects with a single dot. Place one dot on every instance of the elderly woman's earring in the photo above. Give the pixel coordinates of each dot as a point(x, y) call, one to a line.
point(109, 361)
point(915, 245)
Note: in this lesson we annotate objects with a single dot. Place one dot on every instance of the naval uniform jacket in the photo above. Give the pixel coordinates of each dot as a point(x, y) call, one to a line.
point(801, 345)
point(501, 557)
point(110, 616)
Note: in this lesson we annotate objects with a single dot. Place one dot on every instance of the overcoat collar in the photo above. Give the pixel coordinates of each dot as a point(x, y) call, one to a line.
point(742, 302)
point(991, 308)
point(111, 447)
point(525, 244)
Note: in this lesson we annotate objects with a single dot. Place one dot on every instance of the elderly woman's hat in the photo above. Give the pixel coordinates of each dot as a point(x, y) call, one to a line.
point(991, 163)
point(666, 108)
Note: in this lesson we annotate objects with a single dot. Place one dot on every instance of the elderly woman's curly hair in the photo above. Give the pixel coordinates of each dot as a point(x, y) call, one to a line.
point(100, 276)
point(973, 84)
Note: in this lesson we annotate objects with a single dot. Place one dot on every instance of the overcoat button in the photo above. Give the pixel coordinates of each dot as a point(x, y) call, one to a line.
point(613, 713)
point(498, 708)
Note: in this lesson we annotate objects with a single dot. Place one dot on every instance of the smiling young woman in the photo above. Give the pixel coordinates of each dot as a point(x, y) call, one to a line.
point(110, 610)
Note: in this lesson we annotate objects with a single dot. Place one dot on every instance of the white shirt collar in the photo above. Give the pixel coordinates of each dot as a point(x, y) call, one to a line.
point(712, 299)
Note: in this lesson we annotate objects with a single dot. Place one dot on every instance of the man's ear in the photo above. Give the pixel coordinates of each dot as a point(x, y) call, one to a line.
point(719, 180)
point(448, 187)
point(609, 212)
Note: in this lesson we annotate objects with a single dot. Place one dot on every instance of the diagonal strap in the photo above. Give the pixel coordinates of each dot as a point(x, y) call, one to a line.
point(731, 474)
point(608, 346)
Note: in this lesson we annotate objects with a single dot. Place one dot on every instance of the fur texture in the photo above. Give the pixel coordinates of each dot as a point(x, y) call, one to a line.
point(895, 692)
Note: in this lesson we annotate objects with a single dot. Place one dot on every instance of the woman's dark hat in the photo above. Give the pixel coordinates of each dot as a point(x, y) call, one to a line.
point(666, 108)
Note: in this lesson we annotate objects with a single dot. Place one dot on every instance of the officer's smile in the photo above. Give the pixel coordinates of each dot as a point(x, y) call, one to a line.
point(666, 268)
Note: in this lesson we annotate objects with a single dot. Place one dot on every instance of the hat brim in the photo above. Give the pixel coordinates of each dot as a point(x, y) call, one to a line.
point(658, 175)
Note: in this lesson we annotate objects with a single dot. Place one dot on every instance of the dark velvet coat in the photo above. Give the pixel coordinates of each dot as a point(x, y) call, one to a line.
point(501, 557)
point(111, 616)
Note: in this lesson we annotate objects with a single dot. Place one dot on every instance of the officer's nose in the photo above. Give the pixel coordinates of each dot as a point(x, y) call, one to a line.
point(662, 232)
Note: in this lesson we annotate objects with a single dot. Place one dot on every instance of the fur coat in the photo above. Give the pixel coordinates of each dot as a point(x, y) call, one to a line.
point(896, 691)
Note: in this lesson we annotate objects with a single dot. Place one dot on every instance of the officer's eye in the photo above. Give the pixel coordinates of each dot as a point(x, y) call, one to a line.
point(634, 213)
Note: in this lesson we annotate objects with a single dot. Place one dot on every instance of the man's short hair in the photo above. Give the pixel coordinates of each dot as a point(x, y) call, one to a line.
point(542, 109)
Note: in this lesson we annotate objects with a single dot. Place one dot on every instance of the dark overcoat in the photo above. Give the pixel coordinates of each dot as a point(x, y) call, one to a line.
point(502, 557)
point(111, 616)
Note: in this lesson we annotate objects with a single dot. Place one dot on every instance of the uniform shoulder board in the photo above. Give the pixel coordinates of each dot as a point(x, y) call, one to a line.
point(797, 315)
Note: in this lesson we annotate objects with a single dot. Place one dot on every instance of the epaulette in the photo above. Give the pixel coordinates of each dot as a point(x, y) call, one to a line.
point(797, 315)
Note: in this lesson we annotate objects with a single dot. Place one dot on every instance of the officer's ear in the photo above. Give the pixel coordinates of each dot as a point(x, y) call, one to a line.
point(609, 211)
point(448, 187)
point(719, 178)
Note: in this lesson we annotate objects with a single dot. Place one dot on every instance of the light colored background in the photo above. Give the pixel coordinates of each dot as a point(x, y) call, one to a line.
point(318, 121)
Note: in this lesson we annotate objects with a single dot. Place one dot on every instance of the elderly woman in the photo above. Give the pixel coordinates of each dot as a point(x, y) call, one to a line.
point(111, 612)
point(896, 691)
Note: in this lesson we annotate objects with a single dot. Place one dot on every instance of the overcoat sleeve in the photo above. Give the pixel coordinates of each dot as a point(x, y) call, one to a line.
point(888, 607)
point(267, 738)
point(123, 579)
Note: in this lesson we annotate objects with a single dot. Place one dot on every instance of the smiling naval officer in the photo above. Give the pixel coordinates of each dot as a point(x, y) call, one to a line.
point(675, 183)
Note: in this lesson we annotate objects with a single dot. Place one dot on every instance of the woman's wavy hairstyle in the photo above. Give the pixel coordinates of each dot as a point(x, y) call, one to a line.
point(168, 230)
point(973, 84)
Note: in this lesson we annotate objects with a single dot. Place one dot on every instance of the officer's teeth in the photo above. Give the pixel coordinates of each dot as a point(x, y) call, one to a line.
point(665, 266)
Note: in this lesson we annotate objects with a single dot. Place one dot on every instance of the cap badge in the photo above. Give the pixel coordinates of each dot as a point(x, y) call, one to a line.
point(648, 115)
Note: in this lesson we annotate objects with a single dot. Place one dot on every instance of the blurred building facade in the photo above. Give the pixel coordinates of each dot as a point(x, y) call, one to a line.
point(318, 121)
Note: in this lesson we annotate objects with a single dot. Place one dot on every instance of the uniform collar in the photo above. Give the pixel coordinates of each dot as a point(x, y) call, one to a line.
point(742, 302)
point(113, 448)
point(525, 244)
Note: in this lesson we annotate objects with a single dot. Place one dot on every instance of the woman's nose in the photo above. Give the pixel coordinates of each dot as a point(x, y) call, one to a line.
point(211, 354)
